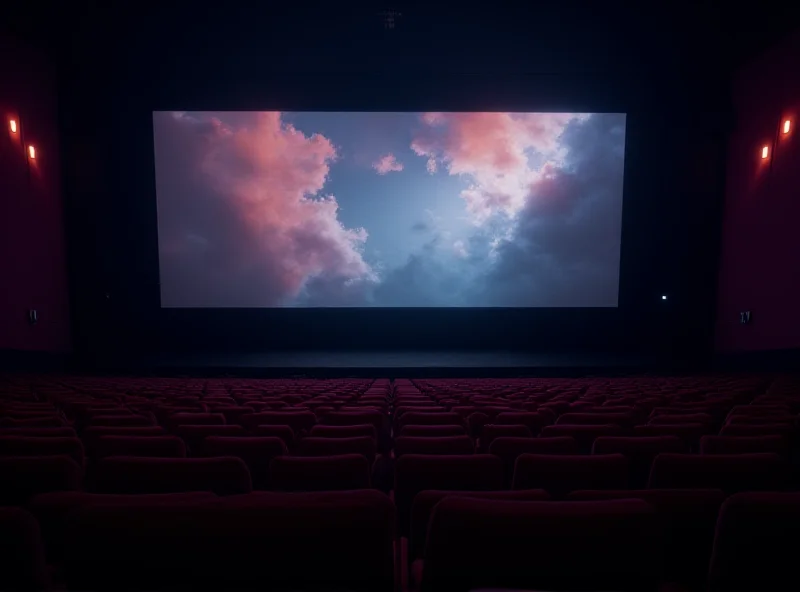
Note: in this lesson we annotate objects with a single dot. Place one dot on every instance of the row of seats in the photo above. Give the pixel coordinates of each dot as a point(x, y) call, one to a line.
point(524, 440)
point(461, 541)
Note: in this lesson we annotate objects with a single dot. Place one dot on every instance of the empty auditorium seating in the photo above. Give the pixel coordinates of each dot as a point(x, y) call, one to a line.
point(433, 445)
point(41, 446)
point(560, 474)
point(133, 474)
point(313, 446)
point(22, 557)
point(640, 452)
point(730, 472)
point(270, 541)
point(605, 545)
point(155, 446)
point(23, 477)
point(418, 472)
point(426, 501)
point(320, 473)
point(757, 543)
point(172, 458)
point(687, 517)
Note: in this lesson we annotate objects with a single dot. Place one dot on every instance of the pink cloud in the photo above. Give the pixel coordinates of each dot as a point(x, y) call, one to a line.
point(268, 178)
point(387, 164)
point(492, 150)
point(431, 165)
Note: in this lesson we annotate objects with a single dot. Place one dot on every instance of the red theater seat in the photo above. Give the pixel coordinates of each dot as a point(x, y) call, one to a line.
point(283, 432)
point(757, 543)
point(299, 421)
point(312, 446)
point(688, 518)
point(64, 432)
point(127, 475)
point(418, 472)
point(584, 435)
point(128, 420)
point(46, 446)
point(23, 477)
point(51, 510)
point(436, 445)
point(607, 545)
point(195, 435)
point(51, 421)
point(492, 431)
point(343, 431)
point(313, 473)
point(325, 541)
point(185, 419)
point(640, 452)
point(732, 473)
point(560, 474)
point(419, 418)
point(689, 432)
point(257, 453)
point(533, 421)
point(596, 419)
point(426, 501)
point(152, 446)
point(432, 431)
point(22, 560)
point(744, 445)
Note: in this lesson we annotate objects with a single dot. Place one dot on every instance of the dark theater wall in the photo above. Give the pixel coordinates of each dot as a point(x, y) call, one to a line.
point(33, 272)
point(760, 256)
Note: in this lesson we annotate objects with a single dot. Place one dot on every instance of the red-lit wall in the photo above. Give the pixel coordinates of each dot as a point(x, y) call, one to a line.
point(33, 272)
point(760, 255)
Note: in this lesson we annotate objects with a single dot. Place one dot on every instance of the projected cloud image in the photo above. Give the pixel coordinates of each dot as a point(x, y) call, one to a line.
point(297, 209)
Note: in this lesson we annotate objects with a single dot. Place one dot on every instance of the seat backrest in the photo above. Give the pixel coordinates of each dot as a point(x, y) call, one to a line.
point(333, 541)
point(23, 477)
point(63, 432)
point(584, 435)
point(132, 474)
point(120, 420)
point(492, 431)
point(418, 472)
point(434, 418)
point(426, 501)
point(299, 421)
point(42, 446)
point(313, 446)
point(688, 518)
point(560, 474)
point(257, 453)
point(640, 452)
point(183, 419)
point(343, 431)
point(22, 563)
point(732, 473)
point(51, 510)
point(756, 542)
point(432, 431)
point(153, 446)
point(433, 445)
point(314, 473)
point(195, 435)
point(620, 419)
point(532, 420)
point(744, 444)
point(606, 545)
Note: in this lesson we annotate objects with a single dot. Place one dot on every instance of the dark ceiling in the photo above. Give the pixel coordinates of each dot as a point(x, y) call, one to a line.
point(516, 37)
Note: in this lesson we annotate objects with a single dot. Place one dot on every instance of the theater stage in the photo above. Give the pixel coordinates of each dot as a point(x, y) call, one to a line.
point(399, 363)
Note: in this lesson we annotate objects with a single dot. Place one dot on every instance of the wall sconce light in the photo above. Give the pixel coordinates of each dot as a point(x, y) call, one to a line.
point(12, 125)
point(787, 126)
point(764, 152)
point(32, 152)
